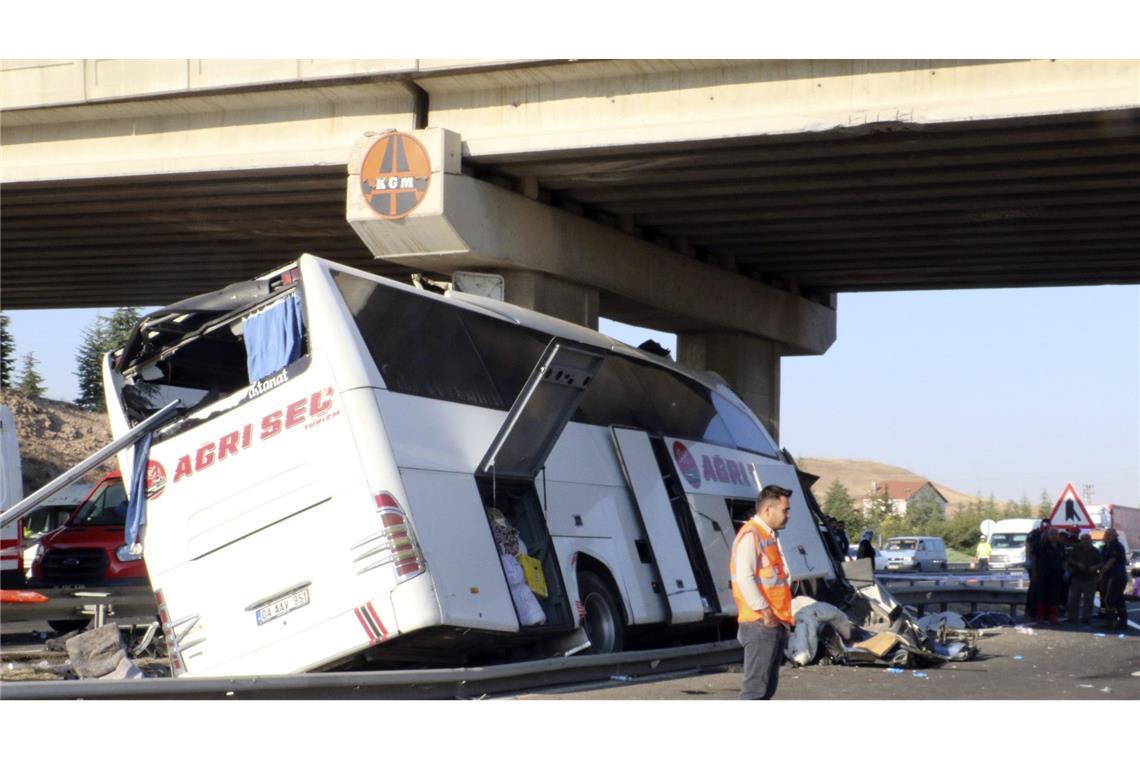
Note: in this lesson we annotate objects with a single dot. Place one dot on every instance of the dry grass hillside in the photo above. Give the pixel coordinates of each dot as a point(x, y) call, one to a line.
point(856, 476)
point(54, 436)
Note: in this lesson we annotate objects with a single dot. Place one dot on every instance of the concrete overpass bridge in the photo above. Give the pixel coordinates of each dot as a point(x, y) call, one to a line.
point(726, 201)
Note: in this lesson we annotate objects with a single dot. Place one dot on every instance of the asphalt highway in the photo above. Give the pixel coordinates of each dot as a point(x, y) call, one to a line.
point(1052, 662)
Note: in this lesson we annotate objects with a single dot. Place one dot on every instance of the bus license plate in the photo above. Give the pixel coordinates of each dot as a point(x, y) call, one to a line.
point(282, 606)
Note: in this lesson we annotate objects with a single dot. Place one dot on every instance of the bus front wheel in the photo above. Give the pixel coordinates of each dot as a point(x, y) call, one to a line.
point(604, 625)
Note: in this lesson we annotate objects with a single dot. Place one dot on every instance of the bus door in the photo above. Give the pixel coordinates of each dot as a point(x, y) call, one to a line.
point(506, 476)
point(661, 522)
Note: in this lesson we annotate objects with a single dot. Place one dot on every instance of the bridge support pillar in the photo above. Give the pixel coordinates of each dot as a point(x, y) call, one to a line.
point(750, 364)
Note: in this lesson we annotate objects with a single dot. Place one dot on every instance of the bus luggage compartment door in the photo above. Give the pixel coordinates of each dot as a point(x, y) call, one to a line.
point(638, 463)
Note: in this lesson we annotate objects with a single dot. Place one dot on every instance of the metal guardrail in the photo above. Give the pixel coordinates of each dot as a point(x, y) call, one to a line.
point(125, 603)
point(922, 592)
point(451, 683)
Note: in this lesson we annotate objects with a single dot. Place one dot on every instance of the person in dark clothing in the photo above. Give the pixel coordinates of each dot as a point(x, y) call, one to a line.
point(1049, 577)
point(1067, 539)
point(866, 551)
point(1084, 566)
point(1114, 575)
point(844, 541)
point(1032, 542)
point(831, 540)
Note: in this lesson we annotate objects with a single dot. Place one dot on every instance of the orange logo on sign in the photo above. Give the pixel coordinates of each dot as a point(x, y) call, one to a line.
point(395, 175)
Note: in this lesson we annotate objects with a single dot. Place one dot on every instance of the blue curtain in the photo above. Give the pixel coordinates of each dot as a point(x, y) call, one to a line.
point(136, 504)
point(272, 338)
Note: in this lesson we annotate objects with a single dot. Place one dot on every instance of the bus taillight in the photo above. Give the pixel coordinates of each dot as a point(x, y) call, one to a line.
point(401, 542)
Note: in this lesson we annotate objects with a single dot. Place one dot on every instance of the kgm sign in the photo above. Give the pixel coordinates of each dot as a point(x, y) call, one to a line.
point(395, 175)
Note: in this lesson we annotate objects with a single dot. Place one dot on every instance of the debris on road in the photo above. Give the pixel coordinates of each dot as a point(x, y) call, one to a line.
point(100, 653)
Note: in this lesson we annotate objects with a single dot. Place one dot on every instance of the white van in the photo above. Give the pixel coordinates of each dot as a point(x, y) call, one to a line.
point(1007, 542)
point(917, 553)
point(328, 497)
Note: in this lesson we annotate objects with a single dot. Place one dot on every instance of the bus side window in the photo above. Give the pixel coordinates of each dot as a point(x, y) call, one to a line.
point(419, 344)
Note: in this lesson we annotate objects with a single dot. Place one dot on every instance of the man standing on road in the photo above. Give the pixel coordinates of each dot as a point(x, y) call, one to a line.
point(1114, 576)
point(1084, 563)
point(844, 541)
point(1032, 542)
point(763, 596)
point(982, 555)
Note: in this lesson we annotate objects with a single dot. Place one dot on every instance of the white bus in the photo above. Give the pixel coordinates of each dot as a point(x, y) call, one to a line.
point(325, 500)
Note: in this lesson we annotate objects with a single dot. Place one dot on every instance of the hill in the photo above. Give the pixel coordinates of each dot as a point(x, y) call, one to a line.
point(856, 476)
point(55, 436)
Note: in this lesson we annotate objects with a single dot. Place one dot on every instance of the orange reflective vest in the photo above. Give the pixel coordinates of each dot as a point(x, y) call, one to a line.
point(771, 576)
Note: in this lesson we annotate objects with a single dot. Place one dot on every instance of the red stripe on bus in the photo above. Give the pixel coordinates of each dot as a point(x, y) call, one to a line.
point(364, 624)
point(379, 622)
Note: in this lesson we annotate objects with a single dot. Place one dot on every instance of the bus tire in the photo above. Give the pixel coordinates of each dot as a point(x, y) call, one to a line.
point(604, 624)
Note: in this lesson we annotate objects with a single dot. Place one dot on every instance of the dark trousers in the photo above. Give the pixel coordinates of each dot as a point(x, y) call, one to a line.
point(763, 651)
point(1112, 600)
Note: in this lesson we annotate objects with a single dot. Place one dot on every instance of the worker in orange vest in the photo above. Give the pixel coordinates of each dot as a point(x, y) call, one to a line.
point(763, 596)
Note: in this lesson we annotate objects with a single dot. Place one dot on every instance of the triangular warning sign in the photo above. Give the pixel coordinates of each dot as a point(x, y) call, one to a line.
point(1069, 511)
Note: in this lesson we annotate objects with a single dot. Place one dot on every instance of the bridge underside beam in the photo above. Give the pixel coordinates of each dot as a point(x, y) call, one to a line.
point(816, 177)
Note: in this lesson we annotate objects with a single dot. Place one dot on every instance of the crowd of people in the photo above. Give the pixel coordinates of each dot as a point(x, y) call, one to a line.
point(1066, 570)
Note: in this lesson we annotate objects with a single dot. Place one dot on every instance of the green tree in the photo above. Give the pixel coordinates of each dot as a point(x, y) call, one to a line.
point(1045, 506)
point(31, 382)
point(103, 335)
point(839, 504)
point(924, 515)
point(881, 508)
point(962, 531)
point(7, 352)
point(892, 525)
point(88, 370)
point(120, 324)
point(1022, 508)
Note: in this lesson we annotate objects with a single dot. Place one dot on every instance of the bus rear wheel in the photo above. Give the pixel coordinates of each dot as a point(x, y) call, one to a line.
point(604, 625)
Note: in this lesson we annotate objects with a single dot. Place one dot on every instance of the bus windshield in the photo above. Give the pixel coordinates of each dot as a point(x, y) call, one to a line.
point(1007, 540)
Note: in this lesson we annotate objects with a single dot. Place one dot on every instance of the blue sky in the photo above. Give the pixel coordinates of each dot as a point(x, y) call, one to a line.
point(993, 391)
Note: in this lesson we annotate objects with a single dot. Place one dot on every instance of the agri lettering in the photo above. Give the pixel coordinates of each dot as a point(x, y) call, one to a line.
point(230, 444)
point(719, 469)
